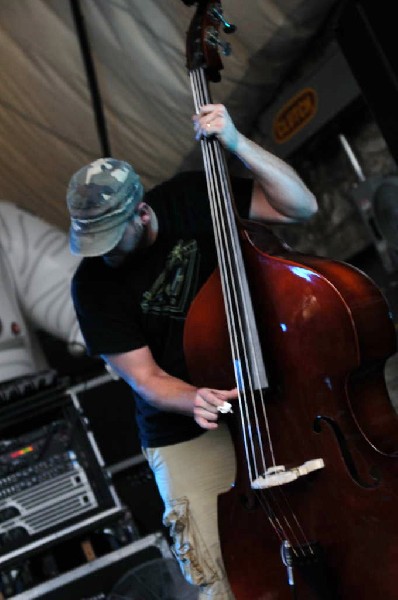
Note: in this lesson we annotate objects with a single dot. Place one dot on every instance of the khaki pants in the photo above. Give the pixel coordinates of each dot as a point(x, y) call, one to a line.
point(189, 476)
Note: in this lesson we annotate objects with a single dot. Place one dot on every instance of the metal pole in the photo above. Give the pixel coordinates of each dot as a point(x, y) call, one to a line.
point(352, 158)
point(91, 77)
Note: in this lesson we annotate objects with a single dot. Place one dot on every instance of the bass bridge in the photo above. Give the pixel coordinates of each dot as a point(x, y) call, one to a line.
point(279, 475)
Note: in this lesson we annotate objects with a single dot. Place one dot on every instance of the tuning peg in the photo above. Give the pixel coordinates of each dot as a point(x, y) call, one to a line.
point(225, 48)
point(213, 39)
point(217, 14)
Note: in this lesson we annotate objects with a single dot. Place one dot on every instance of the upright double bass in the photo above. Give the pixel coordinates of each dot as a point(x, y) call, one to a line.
point(313, 514)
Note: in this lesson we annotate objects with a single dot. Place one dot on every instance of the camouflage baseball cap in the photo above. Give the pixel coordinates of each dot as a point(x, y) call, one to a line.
point(101, 197)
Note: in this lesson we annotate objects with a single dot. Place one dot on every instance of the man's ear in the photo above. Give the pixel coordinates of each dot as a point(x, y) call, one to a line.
point(144, 212)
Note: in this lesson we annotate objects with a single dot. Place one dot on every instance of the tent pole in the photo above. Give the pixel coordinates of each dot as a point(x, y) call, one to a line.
point(91, 77)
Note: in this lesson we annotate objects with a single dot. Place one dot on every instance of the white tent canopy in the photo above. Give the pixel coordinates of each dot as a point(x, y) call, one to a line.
point(47, 121)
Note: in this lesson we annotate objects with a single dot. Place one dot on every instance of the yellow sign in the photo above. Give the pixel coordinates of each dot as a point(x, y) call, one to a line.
point(294, 115)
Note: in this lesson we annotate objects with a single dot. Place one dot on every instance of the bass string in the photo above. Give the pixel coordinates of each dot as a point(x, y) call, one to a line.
point(219, 189)
point(240, 354)
point(217, 181)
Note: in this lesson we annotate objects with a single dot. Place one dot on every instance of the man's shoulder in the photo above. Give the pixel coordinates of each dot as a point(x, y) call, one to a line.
point(94, 282)
point(179, 181)
point(91, 269)
point(193, 181)
point(187, 192)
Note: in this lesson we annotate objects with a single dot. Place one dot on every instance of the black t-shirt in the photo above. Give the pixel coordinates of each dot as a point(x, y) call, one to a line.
point(144, 302)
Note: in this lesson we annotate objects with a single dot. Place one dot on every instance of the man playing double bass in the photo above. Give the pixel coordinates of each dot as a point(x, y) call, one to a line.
point(146, 255)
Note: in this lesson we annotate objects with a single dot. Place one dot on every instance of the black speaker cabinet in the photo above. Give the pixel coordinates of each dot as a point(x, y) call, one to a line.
point(109, 406)
point(367, 32)
point(96, 578)
point(137, 490)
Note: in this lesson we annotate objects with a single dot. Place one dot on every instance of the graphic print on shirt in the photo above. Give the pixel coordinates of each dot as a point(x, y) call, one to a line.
point(173, 290)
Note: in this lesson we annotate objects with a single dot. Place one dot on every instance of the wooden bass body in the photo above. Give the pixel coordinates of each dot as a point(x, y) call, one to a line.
point(326, 333)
